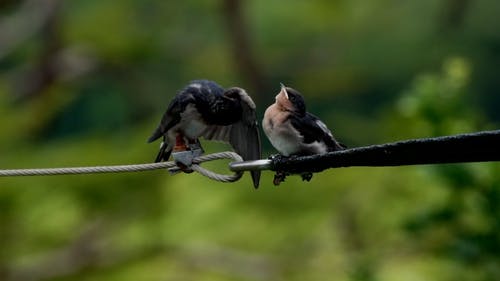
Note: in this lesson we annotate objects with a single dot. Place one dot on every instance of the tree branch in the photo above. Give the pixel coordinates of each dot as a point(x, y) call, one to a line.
point(30, 19)
point(240, 40)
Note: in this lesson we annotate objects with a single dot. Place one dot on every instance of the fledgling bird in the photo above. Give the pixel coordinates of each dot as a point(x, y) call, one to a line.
point(205, 109)
point(295, 132)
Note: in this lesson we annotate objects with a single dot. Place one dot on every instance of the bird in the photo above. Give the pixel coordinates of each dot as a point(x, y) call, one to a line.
point(205, 109)
point(295, 132)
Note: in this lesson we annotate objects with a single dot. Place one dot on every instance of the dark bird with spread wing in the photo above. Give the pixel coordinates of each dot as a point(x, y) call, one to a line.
point(205, 109)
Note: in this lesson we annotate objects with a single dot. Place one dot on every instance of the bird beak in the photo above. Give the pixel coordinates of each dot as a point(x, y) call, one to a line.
point(283, 90)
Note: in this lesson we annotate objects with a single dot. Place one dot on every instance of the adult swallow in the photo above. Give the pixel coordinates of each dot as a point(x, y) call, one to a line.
point(205, 109)
point(295, 132)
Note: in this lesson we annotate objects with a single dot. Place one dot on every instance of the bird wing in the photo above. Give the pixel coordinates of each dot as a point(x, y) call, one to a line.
point(164, 152)
point(313, 129)
point(218, 133)
point(245, 139)
point(242, 135)
point(171, 117)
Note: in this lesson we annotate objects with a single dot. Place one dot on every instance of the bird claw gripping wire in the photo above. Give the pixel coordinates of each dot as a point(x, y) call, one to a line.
point(281, 175)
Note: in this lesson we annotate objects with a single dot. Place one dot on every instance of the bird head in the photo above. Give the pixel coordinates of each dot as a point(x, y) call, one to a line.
point(239, 94)
point(291, 100)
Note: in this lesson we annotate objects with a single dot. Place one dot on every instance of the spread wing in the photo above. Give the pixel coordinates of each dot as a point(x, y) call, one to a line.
point(245, 139)
point(314, 130)
point(243, 136)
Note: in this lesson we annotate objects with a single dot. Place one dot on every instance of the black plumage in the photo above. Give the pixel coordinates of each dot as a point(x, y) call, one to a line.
point(205, 109)
point(311, 131)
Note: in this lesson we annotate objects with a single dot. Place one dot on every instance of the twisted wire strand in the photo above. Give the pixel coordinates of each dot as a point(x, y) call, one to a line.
point(218, 177)
point(134, 168)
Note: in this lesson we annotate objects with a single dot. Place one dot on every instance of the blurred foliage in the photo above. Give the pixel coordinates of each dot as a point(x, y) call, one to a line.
point(469, 219)
point(85, 82)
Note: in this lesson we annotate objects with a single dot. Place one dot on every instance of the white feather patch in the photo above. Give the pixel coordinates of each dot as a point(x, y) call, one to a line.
point(195, 85)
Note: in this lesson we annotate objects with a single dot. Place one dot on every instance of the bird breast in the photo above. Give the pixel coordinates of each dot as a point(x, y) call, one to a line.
point(191, 122)
point(280, 131)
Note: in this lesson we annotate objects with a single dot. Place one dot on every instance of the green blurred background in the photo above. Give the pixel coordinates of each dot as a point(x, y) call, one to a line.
point(85, 82)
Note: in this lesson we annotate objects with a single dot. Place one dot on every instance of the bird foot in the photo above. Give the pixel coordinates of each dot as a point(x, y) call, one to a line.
point(306, 176)
point(279, 177)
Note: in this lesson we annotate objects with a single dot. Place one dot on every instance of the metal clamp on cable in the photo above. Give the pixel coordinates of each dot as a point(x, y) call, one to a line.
point(184, 160)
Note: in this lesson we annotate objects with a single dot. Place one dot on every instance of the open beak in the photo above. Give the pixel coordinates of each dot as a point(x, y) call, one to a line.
point(283, 90)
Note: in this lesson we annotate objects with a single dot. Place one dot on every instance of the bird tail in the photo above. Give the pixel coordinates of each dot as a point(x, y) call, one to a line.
point(340, 146)
point(164, 152)
point(255, 178)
